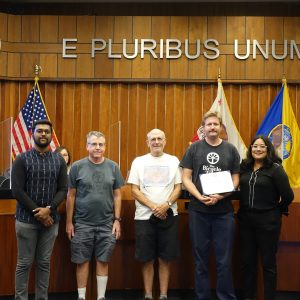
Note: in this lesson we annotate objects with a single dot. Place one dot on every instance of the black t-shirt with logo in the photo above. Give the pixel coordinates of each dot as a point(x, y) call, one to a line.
point(203, 158)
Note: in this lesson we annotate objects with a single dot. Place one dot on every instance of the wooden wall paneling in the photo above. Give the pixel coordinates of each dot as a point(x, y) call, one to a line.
point(196, 110)
point(141, 126)
point(104, 68)
point(14, 28)
point(160, 68)
point(30, 28)
point(86, 114)
point(291, 68)
point(133, 124)
point(292, 28)
point(67, 27)
point(213, 67)
point(63, 272)
point(141, 67)
point(122, 68)
point(68, 120)
point(49, 65)
point(197, 29)
point(49, 29)
point(264, 102)
point(8, 256)
point(288, 261)
point(141, 27)
point(216, 28)
point(188, 104)
point(244, 115)
point(104, 27)
point(56, 99)
point(170, 118)
point(85, 28)
point(179, 68)
point(84, 66)
point(179, 145)
point(13, 64)
point(3, 26)
point(274, 28)
point(235, 68)
point(53, 105)
point(125, 130)
point(197, 68)
point(3, 63)
point(152, 111)
point(160, 27)
point(207, 95)
point(255, 28)
point(255, 68)
point(11, 93)
point(66, 67)
point(123, 29)
point(256, 114)
point(273, 68)
point(235, 26)
point(160, 105)
point(113, 137)
point(28, 61)
point(104, 113)
point(179, 28)
point(79, 144)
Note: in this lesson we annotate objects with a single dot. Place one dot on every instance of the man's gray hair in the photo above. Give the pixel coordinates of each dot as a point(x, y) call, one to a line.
point(98, 134)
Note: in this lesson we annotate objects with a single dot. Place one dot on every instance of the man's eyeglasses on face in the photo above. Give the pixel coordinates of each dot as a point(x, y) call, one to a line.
point(262, 147)
point(101, 145)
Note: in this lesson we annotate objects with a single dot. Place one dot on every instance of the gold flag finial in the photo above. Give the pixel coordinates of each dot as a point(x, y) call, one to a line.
point(37, 70)
point(283, 79)
point(219, 74)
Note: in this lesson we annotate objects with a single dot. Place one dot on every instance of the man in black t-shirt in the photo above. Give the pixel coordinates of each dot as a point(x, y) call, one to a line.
point(211, 216)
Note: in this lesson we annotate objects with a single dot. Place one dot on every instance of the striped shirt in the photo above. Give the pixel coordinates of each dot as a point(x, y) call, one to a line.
point(38, 180)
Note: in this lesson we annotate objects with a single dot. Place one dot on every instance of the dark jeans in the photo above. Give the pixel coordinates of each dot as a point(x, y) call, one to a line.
point(34, 243)
point(259, 232)
point(217, 229)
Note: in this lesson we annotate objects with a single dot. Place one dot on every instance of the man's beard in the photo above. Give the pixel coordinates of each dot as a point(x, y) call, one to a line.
point(42, 145)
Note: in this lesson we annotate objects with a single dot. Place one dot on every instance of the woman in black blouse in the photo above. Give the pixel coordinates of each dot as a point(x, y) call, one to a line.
point(265, 195)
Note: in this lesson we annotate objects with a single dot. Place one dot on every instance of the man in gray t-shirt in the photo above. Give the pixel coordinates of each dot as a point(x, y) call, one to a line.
point(94, 205)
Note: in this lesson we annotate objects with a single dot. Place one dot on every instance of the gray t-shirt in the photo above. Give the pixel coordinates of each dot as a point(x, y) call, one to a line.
point(94, 184)
point(203, 158)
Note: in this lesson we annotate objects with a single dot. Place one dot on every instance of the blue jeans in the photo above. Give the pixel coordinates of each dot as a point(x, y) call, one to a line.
point(217, 229)
point(34, 243)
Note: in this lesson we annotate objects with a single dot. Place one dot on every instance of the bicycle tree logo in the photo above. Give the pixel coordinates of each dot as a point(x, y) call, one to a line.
point(213, 158)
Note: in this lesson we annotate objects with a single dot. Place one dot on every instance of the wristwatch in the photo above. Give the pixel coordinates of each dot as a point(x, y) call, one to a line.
point(117, 219)
point(169, 203)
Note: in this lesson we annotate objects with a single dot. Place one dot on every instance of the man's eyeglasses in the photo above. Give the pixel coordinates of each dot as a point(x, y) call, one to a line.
point(263, 147)
point(97, 144)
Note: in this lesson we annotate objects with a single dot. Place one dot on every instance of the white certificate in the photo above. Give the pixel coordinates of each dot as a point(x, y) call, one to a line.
point(216, 183)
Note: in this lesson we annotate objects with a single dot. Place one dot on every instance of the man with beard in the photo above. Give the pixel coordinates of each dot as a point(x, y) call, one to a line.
point(211, 217)
point(39, 184)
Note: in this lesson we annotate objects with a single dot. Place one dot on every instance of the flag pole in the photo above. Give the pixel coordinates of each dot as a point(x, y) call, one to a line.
point(37, 69)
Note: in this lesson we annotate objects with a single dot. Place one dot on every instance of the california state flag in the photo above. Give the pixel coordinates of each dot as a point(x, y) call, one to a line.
point(229, 131)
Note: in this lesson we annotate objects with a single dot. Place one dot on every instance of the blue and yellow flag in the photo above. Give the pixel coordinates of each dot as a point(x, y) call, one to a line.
point(280, 125)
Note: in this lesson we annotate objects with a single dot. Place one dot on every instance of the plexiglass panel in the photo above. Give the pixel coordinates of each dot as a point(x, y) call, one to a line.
point(5, 153)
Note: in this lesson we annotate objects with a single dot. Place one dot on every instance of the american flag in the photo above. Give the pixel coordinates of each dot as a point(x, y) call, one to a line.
point(32, 110)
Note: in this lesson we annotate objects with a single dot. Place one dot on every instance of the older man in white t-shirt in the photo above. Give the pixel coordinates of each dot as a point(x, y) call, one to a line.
point(155, 180)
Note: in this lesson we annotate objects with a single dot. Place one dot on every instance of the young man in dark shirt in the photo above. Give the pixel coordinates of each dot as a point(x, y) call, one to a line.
point(39, 184)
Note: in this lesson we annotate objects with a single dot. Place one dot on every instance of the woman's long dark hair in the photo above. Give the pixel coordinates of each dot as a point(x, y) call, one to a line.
point(59, 149)
point(271, 157)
